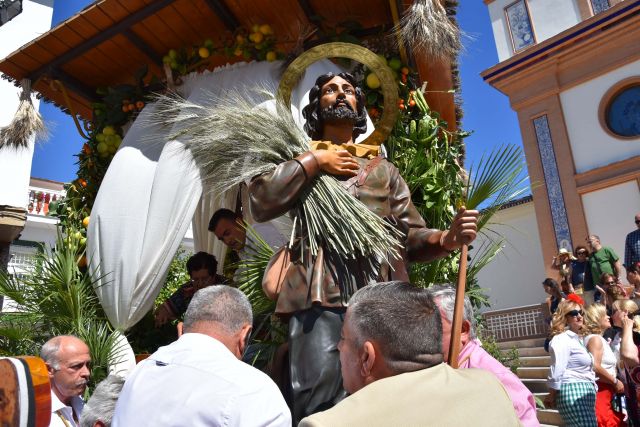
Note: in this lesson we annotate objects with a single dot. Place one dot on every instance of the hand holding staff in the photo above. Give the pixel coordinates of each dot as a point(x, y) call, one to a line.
point(463, 231)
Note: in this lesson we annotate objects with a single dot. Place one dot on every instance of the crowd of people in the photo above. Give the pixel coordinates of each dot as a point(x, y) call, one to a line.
point(360, 350)
point(595, 334)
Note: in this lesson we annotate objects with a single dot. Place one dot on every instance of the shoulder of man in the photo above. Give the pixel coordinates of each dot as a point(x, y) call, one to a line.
point(610, 252)
point(450, 393)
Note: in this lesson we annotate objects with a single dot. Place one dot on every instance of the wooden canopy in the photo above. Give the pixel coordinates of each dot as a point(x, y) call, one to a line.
point(107, 42)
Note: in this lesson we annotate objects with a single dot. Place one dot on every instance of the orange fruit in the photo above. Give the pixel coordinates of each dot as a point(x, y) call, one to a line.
point(271, 56)
point(139, 105)
point(204, 52)
point(85, 222)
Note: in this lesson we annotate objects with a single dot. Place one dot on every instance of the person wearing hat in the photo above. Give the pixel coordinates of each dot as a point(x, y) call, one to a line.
point(562, 263)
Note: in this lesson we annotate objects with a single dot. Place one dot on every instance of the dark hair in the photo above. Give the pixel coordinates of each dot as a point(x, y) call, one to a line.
point(606, 275)
point(551, 283)
point(222, 214)
point(580, 248)
point(202, 260)
point(403, 320)
point(313, 126)
point(634, 267)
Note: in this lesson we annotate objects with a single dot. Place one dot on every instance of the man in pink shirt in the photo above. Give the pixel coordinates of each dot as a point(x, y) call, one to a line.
point(472, 355)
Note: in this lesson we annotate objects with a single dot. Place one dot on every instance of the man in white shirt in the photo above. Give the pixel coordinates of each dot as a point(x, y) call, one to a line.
point(68, 362)
point(199, 379)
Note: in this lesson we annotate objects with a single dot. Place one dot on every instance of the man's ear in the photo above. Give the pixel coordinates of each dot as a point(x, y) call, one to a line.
point(367, 359)
point(50, 370)
point(245, 334)
point(465, 335)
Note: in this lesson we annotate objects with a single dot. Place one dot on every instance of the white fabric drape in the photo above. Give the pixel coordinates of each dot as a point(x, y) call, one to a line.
point(151, 192)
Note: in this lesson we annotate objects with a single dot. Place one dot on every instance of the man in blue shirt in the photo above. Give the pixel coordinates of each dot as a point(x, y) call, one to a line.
point(632, 245)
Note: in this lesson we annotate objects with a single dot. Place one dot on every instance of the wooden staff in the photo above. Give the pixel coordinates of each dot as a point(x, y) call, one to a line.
point(458, 311)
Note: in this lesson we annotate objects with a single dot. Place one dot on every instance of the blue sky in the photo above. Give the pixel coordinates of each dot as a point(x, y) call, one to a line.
point(486, 111)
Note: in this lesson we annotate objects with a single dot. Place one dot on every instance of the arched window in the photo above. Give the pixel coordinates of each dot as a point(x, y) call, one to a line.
point(620, 109)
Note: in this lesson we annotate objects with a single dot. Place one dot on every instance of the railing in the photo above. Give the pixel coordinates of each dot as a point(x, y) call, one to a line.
point(40, 198)
point(518, 323)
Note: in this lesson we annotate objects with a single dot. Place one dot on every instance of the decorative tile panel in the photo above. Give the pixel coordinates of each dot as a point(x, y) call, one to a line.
point(552, 181)
point(599, 5)
point(520, 26)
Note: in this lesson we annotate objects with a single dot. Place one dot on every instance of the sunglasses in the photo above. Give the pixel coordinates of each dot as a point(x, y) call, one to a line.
point(609, 283)
point(574, 313)
point(582, 253)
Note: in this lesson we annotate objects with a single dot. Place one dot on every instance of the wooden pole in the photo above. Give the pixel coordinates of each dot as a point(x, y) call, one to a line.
point(458, 311)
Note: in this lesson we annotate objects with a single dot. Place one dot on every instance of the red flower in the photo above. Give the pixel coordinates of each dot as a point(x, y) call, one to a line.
point(575, 298)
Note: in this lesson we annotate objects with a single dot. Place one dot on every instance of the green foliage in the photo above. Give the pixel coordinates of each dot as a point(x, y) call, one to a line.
point(177, 276)
point(56, 297)
point(427, 156)
point(509, 358)
point(268, 332)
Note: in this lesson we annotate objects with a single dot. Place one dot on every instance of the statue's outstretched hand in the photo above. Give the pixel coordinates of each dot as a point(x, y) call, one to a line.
point(464, 229)
point(336, 162)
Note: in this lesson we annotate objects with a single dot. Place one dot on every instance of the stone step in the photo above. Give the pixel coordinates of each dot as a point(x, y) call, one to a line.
point(526, 343)
point(549, 417)
point(535, 385)
point(535, 361)
point(534, 373)
point(532, 352)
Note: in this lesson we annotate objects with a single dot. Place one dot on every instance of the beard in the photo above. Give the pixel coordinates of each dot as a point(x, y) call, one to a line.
point(339, 112)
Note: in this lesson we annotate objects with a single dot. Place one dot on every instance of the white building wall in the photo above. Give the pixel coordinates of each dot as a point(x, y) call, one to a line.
point(610, 214)
point(549, 17)
point(591, 146)
point(514, 278)
point(15, 165)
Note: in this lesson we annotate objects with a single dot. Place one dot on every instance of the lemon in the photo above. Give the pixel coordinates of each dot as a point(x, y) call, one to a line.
point(373, 82)
point(173, 54)
point(109, 130)
point(257, 37)
point(271, 56)
point(266, 29)
point(255, 28)
point(103, 147)
point(240, 39)
point(204, 52)
point(238, 52)
point(100, 137)
point(85, 221)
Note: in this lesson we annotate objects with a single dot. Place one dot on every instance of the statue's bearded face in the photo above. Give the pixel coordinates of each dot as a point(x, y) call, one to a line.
point(338, 102)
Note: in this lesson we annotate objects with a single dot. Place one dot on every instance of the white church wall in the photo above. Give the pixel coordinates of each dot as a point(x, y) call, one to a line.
point(610, 213)
point(549, 17)
point(514, 277)
point(15, 165)
point(591, 146)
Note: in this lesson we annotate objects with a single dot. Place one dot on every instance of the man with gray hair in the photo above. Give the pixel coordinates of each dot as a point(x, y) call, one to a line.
point(98, 411)
point(68, 363)
point(472, 355)
point(392, 365)
point(199, 379)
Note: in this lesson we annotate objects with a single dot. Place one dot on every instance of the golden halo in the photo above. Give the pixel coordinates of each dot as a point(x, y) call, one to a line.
point(294, 71)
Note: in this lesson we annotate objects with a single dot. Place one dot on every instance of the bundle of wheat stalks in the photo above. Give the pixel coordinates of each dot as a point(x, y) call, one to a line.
point(232, 141)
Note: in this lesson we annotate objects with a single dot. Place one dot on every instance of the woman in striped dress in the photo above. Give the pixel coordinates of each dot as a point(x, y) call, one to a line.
point(572, 387)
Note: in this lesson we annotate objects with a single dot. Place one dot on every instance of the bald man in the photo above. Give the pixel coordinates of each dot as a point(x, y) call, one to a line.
point(68, 362)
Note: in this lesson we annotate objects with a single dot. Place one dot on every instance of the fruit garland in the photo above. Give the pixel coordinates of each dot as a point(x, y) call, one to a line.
point(120, 105)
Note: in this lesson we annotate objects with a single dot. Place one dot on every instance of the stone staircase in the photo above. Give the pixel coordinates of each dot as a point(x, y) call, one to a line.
point(533, 371)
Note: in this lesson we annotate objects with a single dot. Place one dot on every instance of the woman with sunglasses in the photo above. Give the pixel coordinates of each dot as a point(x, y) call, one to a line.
point(604, 365)
point(572, 380)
